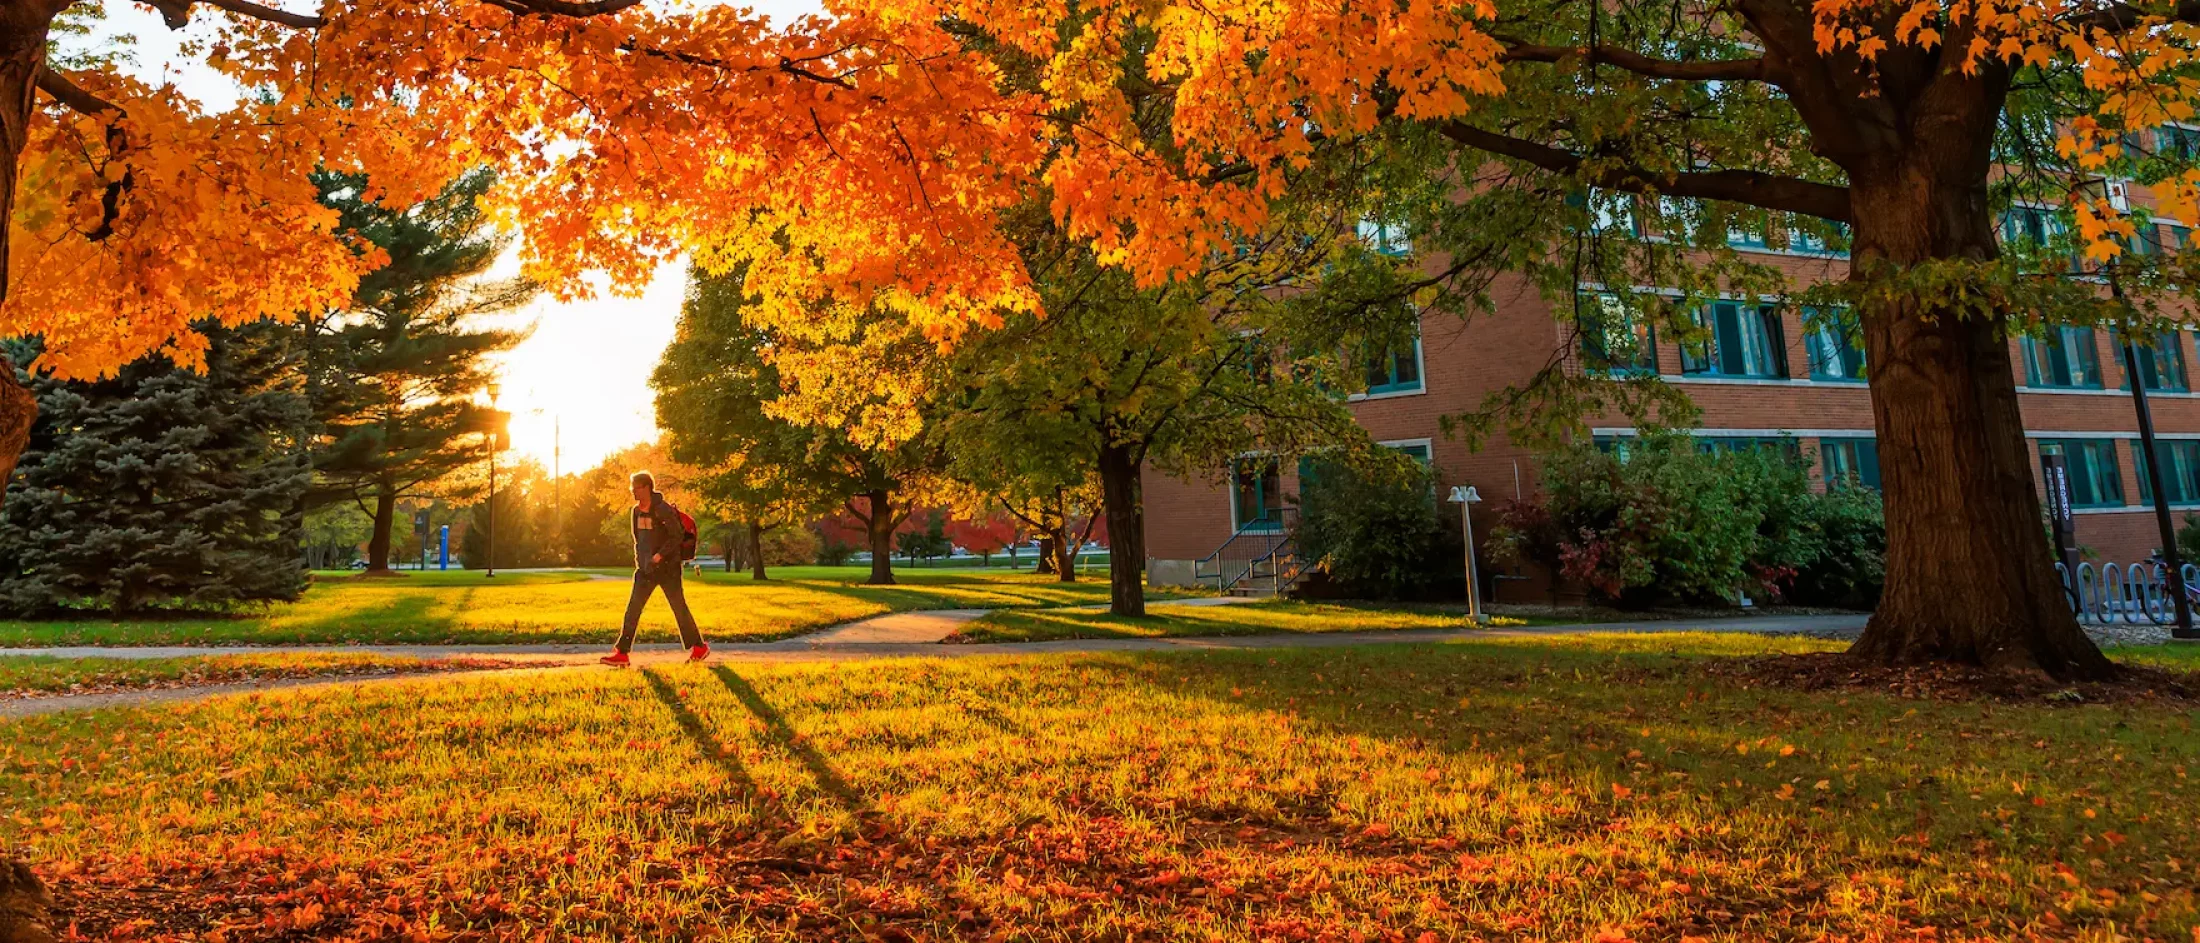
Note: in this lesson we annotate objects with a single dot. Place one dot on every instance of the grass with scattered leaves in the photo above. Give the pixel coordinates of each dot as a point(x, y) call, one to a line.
point(1551, 788)
point(40, 676)
point(1274, 617)
point(568, 606)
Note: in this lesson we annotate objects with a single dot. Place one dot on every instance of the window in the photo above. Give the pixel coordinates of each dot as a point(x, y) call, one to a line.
point(1739, 443)
point(1850, 462)
point(1256, 492)
point(2161, 364)
point(1830, 336)
point(2035, 228)
point(1745, 342)
point(2066, 358)
point(2178, 144)
point(1747, 234)
point(1419, 450)
point(1397, 369)
point(1622, 446)
point(1386, 238)
point(1613, 340)
point(1803, 240)
point(2180, 237)
point(1609, 213)
point(2180, 471)
point(2096, 480)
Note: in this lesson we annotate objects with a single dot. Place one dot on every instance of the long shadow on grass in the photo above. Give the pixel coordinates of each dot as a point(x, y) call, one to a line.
point(705, 741)
point(776, 727)
point(403, 617)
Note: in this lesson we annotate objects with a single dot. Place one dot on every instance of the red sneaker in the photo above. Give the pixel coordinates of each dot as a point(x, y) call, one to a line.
point(616, 659)
point(698, 653)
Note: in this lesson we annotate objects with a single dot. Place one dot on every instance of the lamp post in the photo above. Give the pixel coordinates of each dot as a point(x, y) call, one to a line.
point(1466, 498)
point(2136, 379)
point(489, 516)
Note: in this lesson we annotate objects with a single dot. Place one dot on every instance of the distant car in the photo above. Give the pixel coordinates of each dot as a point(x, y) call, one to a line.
point(358, 564)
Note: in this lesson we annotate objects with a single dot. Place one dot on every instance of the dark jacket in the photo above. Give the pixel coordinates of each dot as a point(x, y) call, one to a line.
point(656, 533)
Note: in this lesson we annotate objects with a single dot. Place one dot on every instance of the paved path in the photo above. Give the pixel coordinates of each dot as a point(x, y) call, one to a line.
point(900, 635)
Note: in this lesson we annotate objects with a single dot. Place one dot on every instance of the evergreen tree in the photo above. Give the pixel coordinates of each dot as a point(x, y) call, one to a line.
point(162, 488)
point(393, 378)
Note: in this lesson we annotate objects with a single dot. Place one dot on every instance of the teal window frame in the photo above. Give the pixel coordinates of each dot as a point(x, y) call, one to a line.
point(1259, 479)
point(1396, 371)
point(1849, 461)
point(2036, 226)
point(1600, 320)
point(2176, 143)
point(1622, 446)
point(1385, 238)
point(2161, 364)
point(1830, 341)
point(1419, 450)
point(1731, 351)
point(2180, 471)
point(2057, 360)
point(1737, 443)
point(2096, 474)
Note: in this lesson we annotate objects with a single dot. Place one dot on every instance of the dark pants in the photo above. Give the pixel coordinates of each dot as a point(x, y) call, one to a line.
point(668, 578)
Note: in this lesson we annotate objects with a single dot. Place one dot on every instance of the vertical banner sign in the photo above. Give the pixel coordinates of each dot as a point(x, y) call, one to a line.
point(443, 556)
point(2059, 519)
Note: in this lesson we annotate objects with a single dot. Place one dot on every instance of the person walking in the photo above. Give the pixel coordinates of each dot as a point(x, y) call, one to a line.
point(658, 535)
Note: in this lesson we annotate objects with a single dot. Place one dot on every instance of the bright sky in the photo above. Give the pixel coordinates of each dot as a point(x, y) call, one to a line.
point(581, 381)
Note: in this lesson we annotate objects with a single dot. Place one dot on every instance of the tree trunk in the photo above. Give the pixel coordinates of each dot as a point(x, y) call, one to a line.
point(385, 527)
point(18, 411)
point(1122, 492)
point(1065, 556)
point(22, 53)
point(1046, 555)
point(756, 552)
point(1969, 575)
point(880, 529)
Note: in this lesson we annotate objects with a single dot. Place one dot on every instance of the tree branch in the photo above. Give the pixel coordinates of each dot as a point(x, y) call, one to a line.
point(574, 8)
point(2123, 17)
point(1770, 191)
point(76, 99)
point(177, 13)
point(74, 96)
point(1728, 70)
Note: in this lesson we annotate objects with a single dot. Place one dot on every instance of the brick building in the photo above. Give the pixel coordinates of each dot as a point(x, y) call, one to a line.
point(1768, 375)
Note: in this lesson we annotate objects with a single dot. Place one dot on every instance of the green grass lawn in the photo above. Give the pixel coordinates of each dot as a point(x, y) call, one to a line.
point(570, 606)
point(1261, 618)
point(1579, 788)
point(35, 676)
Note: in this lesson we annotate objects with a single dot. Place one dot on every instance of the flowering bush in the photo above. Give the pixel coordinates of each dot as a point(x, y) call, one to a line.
point(1666, 521)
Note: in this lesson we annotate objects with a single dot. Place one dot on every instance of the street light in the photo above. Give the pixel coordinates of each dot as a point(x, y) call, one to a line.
point(1466, 498)
point(489, 516)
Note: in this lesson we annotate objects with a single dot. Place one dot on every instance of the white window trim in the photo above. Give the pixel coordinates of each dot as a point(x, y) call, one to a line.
point(1429, 444)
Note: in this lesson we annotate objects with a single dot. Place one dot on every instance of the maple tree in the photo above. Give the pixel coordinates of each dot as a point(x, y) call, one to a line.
point(861, 161)
point(984, 534)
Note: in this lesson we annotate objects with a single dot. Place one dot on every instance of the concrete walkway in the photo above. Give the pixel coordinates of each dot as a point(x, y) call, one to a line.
point(899, 635)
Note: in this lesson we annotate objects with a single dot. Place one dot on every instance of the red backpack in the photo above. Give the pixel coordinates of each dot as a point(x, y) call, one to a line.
point(687, 535)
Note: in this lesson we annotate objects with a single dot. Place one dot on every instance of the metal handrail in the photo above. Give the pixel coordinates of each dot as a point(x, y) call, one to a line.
point(1248, 546)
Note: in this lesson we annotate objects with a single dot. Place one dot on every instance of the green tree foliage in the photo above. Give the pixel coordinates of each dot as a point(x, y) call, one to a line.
point(334, 535)
point(768, 462)
point(595, 532)
point(161, 488)
point(394, 377)
point(924, 537)
point(1372, 523)
point(1663, 520)
point(515, 521)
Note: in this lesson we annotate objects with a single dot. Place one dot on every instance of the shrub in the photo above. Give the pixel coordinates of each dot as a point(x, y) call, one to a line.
point(1669, 522)
point(1373, 522)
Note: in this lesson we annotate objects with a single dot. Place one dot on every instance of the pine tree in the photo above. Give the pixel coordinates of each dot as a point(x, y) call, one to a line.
point(162, 488)
point(393, 378)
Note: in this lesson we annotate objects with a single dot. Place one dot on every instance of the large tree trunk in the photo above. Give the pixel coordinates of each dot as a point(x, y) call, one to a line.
point(22, 53)
point(1046, 555)
point(756, 552)
point(18, 410)
point(1122, 493)
point(1969, 575)
point(880, 530)
point(385, 529)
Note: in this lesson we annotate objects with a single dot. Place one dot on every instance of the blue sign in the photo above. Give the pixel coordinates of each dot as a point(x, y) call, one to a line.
point(443, 557)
